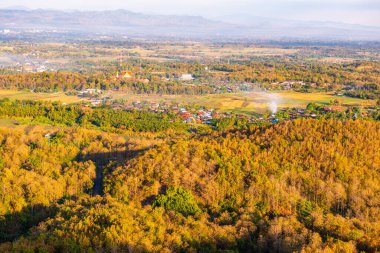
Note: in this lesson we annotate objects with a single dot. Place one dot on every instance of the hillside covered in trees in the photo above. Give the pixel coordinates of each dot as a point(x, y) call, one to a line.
point(302, 185)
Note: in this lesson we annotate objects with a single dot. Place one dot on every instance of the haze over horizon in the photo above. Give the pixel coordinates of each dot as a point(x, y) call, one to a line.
point(364, 12)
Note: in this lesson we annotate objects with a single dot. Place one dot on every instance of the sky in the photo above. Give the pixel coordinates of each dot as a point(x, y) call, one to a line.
point(365, 12)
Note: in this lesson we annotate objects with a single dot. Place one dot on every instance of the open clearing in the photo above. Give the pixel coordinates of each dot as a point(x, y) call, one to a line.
point(28, 95)
point(8, 123)
point(248, 102)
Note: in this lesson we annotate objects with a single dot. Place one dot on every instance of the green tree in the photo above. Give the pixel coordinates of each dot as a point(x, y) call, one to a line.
point(179, 200)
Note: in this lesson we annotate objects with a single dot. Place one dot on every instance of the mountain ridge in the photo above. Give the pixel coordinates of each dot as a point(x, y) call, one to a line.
point(125, 22)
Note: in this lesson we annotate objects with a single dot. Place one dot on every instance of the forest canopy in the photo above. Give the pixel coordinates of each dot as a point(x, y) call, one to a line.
point(302, 185)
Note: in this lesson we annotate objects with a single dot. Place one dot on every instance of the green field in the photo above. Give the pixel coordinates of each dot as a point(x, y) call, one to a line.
point(28, 95)
point(8, 123)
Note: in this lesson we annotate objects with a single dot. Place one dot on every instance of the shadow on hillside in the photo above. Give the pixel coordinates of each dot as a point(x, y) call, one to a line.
point(17, 224)
point(14, 225)
point(103, 159)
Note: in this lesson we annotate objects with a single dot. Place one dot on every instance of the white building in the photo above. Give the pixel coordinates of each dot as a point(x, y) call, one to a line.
point(186, 77)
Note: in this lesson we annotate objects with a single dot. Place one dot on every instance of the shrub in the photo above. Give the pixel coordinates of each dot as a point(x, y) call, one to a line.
point(179, 200)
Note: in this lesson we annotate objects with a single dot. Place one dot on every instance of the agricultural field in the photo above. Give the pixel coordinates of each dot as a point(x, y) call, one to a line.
point(249, 102)
point(246, 103)
point(10, 123)
point(28, 95)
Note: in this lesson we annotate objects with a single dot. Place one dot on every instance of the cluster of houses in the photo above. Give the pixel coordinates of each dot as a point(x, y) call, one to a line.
point(31, 63)
point(295, 113)
point(94, 95)
point(199, 116)
point(288, 85)
point(151, 106)
point(89, 92)
point(34, 68)
point(226, 86)
point(188, 115)
point(191, 115)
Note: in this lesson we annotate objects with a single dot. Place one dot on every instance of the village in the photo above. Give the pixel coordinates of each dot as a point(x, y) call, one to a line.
point(192, 114)
point(195, 114)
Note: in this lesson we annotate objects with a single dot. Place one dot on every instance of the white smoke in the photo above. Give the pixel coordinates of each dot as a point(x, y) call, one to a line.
point(273, 107)
point(273, 101)
point(270, 100)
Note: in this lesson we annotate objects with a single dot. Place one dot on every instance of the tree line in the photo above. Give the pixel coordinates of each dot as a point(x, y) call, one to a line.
point(160, 78)
point(104, 118)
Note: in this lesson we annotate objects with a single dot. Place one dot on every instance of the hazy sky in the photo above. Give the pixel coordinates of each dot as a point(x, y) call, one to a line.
point(349, 11)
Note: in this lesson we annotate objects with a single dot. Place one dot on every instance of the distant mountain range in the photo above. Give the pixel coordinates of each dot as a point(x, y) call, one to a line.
point(304, 29)
point(126, 23)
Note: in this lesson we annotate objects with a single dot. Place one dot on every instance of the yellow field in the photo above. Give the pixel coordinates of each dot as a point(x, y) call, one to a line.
point(8, 123)
point(247, 102)
point(27, 95)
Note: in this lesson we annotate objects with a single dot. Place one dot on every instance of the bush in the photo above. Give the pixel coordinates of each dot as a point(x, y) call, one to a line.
point(179, 200)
